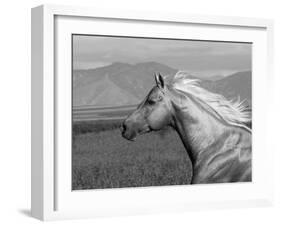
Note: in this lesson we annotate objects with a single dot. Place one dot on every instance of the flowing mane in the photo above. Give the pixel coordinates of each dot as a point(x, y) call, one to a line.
point(233, 112)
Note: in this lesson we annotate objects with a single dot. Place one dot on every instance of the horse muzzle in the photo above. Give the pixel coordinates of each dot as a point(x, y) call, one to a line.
point(127, 133)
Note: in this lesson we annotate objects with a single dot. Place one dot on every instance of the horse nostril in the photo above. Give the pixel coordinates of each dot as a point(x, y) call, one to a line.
point(123, 128)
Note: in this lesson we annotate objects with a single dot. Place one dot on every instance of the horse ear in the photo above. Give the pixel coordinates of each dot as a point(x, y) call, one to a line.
point(159, 80)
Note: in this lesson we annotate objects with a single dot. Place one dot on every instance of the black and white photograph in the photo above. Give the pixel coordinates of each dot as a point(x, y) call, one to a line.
point(160, 112)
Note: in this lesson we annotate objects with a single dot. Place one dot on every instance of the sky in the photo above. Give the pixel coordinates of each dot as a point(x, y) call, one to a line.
point(201, 58)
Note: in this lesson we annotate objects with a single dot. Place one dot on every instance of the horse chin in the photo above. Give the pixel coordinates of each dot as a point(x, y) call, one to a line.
point(133, 136)
point(130, 137)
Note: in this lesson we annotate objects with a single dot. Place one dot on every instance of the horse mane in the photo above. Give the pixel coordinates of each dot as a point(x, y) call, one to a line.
point(233, 112)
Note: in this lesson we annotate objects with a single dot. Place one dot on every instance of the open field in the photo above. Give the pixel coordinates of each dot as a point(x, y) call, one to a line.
point(88, 113)
point(101, 158)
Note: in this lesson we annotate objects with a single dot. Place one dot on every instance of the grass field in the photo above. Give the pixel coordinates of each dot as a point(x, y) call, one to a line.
point(101, 158)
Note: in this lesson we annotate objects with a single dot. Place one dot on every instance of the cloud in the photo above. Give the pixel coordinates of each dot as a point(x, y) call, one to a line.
point(181, 54)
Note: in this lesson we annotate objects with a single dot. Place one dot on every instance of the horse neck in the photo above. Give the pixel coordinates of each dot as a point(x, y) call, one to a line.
point(196, 127)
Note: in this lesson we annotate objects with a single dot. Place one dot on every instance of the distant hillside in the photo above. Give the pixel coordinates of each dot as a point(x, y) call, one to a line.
point(125, 84)
point(233, 86)
point(102, 92)
point(215, 78)
point(132, 80)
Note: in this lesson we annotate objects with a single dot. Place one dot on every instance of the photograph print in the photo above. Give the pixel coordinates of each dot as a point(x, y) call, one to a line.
point(152, 112)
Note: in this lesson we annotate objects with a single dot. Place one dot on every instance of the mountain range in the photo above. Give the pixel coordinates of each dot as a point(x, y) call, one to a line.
point(125, 84)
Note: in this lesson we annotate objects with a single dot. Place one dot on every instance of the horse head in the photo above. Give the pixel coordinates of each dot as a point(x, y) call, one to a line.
point(152, 114)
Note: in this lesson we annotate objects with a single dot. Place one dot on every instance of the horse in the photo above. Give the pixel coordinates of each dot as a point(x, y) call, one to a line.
point(212, 129)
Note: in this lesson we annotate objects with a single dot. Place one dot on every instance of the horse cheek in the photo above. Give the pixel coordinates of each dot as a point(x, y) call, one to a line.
point(156, 119)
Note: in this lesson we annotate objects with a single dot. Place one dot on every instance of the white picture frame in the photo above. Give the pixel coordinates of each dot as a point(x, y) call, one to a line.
point(52, 197)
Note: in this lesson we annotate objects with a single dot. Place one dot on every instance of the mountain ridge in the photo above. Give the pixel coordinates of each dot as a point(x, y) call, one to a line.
point(122, 84)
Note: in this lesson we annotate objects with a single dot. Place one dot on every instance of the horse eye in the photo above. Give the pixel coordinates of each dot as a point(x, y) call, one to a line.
point(151, 102)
